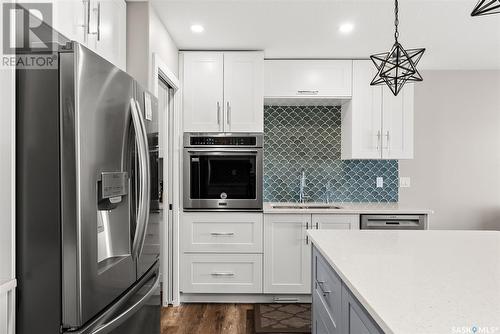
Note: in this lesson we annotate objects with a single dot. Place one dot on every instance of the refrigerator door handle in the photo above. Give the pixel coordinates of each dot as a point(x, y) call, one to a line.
point(144, 173)
point(147, 180)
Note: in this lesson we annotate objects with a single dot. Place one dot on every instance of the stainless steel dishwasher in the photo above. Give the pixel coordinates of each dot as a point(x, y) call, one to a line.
point(393, 222)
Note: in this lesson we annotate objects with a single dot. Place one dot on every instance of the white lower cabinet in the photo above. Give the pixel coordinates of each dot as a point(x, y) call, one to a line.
point(336, 222)
point(287, 254)
point(287, 250)
point(222, 273)
point(222, 252)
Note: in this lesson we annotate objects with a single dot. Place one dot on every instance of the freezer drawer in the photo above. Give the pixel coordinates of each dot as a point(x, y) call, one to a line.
point(393, 222)
point(137, 311)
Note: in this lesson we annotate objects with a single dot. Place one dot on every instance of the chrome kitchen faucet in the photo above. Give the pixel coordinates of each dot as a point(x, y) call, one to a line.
point(302, 196)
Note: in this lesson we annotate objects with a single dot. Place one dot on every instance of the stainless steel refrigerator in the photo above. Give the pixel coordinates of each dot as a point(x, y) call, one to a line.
point(87, 169)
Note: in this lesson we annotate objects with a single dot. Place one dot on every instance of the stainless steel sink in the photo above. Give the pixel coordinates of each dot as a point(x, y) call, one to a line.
point(306, 206)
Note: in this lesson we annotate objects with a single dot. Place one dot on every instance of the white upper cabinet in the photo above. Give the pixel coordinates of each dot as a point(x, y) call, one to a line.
point(70, 19)
point(308, 78)
point(397, 123)
point(362, 116)
point(203, 91)
point(223, 91)
point(99, 25)
point(243, 91)
point(108, 28)
point(375, 123)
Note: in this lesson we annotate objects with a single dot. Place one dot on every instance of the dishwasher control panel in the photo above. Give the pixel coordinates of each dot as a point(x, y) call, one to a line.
point(393, 222)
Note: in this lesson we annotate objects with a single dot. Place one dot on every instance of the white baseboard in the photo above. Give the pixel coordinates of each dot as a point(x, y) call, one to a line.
point(243, 298)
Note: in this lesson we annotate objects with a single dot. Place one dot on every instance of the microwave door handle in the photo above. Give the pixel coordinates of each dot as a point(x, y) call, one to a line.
point(144, 181)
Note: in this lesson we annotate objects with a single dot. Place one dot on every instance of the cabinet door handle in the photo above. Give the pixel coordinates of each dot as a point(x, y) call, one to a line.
point(307, 237)
point(222, 274)
point(218, 112)
point(99, 21)
point(87, 19)
point(223, 234)
point(321, 284)
point(388, 138)
point(98, 28)
point(317, 225)
point(379, 137)
point(228, 113)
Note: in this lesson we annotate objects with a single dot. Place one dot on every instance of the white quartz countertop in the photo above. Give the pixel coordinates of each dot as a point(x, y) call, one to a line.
point(345, 208)
point(420, 281)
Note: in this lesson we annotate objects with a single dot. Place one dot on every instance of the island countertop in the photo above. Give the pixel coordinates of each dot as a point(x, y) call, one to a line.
point(420, 281)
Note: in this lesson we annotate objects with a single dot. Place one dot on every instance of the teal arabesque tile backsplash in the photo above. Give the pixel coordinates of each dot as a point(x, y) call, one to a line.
point(308, 138)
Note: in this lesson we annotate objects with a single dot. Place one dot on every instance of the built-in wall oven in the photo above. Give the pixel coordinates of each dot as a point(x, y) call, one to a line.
point(223, 171)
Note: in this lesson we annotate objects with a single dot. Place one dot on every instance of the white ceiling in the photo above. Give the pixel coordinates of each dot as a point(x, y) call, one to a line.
point(309, 29)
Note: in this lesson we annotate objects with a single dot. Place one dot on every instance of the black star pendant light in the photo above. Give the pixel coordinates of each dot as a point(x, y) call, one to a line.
point(398, 66)
point(485, 7)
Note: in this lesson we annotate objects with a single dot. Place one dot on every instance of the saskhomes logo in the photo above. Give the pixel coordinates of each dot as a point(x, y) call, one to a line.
point(475, 330)
point(27, 36)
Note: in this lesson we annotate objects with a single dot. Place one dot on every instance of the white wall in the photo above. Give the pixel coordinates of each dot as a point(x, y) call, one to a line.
point(7, 175)
point(456, 170)
point(137, 41)
point(147, 35)
point(161, 43)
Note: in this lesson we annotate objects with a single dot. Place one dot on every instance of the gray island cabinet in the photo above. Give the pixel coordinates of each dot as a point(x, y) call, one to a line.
point(335, 310)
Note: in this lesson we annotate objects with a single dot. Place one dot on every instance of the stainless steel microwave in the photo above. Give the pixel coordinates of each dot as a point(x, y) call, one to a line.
point(223, 171)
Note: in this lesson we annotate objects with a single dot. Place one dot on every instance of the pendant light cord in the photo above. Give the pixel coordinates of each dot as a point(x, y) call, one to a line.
point(396, 21)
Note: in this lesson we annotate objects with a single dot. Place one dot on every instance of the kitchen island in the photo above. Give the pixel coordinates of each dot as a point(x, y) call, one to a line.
point(406, 281)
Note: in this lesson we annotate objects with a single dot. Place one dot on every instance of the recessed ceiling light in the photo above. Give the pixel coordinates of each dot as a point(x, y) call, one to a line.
point(197, 28)
point(346, 28)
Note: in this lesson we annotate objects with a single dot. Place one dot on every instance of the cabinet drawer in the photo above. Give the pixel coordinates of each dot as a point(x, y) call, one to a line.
point(222, 232)
point(222, 273)
point(328, 286)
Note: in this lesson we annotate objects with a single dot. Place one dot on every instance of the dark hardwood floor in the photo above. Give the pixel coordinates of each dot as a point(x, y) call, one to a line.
point(208, 319)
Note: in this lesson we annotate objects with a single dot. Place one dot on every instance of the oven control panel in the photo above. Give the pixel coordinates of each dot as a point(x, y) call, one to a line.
point(223, 141)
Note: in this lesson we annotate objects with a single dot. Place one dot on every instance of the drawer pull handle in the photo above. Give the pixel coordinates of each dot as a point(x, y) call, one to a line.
point(307, 92)
point(224, 234)
point(284, 300)
point(222, 274)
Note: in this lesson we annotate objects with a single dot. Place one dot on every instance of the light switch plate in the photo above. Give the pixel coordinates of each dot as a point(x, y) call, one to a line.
point(380, 182)
point(404, 182)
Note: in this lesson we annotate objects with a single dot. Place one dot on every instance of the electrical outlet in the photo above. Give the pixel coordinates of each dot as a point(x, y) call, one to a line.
point(404, 182)
point(380, 182)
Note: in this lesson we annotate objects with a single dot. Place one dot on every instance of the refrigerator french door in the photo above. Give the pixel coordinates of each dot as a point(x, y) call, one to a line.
point(84, 191)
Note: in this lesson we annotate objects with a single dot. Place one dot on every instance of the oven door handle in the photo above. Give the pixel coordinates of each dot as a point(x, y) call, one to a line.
point(221, 152)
